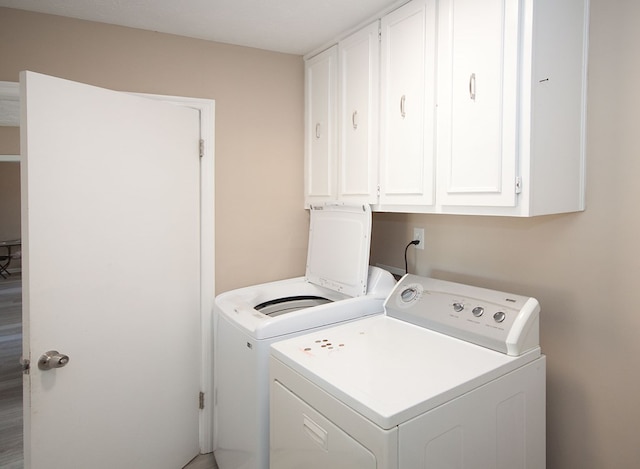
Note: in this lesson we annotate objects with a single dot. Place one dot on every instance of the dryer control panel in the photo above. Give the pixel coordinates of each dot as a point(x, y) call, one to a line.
point(500, 321)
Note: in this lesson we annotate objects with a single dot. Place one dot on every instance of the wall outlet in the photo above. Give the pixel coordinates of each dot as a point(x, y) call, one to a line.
point(418, 233)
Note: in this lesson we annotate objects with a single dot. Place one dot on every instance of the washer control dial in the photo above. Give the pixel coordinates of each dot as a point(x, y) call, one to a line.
point(457, 306)
point(408, 297)
point(499, 316)
point(409, 294)
point(478, 311)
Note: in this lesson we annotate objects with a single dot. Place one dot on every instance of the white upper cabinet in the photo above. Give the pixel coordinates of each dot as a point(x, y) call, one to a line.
point(482, 110)
point(358, 111)
point(511, 106)
point(342, 96)
point(408, 106)
point(321, 78)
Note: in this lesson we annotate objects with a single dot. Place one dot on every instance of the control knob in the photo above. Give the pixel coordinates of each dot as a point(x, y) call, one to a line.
point(409, 294)
point(499, 316)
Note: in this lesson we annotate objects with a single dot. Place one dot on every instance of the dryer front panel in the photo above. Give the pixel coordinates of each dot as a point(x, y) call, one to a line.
point(301, 437)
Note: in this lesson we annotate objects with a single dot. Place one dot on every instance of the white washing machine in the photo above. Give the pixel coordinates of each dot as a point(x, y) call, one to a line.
point(339, 286)
point(451, 377)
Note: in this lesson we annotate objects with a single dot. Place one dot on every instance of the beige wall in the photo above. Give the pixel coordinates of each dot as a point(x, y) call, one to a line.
point(584, 268)
point(9, 140)
point(259, 123)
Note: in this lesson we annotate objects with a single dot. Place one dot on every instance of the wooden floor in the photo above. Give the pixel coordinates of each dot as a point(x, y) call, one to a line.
point(11, 450)
point(10, 373)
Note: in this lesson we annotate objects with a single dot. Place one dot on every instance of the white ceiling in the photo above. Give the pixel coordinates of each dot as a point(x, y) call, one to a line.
point(290, 26)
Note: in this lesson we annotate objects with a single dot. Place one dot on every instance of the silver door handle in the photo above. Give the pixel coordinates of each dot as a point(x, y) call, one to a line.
point(52, 359)
point(472, 86)
point(403, 113)
point(354, 120)
point(317, 130)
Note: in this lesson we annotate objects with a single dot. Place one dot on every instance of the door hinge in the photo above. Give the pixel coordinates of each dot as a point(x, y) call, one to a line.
point(518, 185)
point(26, 365)
point(201, 400)
point(201, 148)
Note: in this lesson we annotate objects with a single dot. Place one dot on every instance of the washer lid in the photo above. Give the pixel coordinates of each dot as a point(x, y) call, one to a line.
point(339, 243)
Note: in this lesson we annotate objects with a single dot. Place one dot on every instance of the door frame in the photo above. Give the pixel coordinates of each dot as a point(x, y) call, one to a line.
point(206, 108)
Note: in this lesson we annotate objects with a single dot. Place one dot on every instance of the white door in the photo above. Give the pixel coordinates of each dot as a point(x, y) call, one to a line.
point(359, 70)
point(321, 79)
point(408, 105)
point(110, 210)
point(477, 105)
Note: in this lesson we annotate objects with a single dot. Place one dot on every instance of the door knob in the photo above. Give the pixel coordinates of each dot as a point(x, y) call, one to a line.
point(52, 359)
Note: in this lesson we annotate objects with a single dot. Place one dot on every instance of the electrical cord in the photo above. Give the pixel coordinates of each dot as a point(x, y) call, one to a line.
point(415, 242)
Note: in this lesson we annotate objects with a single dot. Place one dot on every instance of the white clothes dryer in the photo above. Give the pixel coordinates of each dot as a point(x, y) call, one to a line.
point(338, 286)
point(451, 377)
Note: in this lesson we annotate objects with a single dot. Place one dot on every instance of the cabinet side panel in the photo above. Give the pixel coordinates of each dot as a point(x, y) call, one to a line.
point(558, 86)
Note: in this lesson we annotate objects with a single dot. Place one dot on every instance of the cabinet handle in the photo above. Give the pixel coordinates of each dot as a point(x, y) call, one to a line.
point(472, 86)
point(354, 120)
point(402, 110)
point(318, 130)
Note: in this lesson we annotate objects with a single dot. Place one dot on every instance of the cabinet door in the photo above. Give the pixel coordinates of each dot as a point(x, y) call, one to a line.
point(407, 105)
point(477, 102)
point(358, 116)
point(321, 77)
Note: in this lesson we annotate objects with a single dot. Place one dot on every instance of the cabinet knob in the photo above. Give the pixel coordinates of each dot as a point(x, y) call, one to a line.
point(472, 87)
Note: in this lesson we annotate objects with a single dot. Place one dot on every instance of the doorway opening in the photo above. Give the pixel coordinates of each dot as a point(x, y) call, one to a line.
point(10, 288)
point(11, 430)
